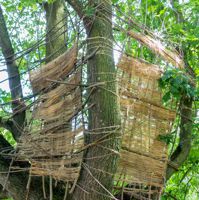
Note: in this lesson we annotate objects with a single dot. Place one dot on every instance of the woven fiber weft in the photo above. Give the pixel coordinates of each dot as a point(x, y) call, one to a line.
point(55, 148)
point(56, 69)
point(51, 144)
point(143, 156)
point(171, 56)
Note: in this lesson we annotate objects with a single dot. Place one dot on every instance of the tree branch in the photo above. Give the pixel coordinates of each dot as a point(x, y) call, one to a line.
point(14, 77)
point(80, 10)
point(182, 151)
point(56, 23)
point(77, 6)
point(7, 124)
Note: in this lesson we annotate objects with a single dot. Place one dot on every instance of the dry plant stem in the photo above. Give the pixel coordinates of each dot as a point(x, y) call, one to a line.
point(66, 191)
point(51, 188)
point(112, 197)
point(143, 124)
point(43, 187)
point(105, 111)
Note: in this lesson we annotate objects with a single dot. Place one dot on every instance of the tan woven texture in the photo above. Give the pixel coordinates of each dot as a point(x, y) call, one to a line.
point(56, 69)
point(53, 144)
point(159, 49)
point(50, 145)
point(54, 154)
point(143, 156)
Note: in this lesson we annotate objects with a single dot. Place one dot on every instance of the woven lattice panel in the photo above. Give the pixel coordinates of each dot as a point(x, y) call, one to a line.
point(143, 156)
point(53, 154)
point(54, 145)
point(53, 142)
point(57, 69)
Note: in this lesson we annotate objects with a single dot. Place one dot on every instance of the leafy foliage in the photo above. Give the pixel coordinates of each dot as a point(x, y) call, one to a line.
point(176, 83)
point(175, 22)
point(8, 136)
point(167, 138)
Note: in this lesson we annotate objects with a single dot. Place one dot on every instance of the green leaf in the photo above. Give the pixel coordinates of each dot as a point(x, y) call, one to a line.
point(167, 97)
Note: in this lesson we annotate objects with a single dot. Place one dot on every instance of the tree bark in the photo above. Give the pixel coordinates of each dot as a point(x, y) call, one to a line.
point(182, 151)
point(15, 186)
point(56, 25)
point(18, 106)
point(100, 160)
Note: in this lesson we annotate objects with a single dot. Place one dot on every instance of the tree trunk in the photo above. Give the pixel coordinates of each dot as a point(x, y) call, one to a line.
point(18, 106)
point(56, 25)
point(15, 185)
point(100, 160)
point(182, 151)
